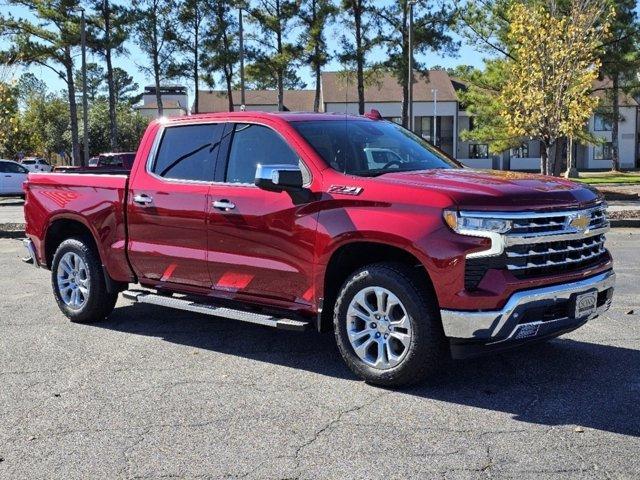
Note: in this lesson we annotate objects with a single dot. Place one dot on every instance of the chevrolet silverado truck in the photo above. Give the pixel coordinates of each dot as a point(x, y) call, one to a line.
point(326, 221)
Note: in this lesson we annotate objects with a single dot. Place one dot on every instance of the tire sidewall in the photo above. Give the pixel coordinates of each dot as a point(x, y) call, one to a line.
point(87, 311)
point(426, 339)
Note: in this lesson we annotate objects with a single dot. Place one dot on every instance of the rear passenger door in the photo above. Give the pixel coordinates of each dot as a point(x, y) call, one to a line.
point(260, 243)
point(168, 206)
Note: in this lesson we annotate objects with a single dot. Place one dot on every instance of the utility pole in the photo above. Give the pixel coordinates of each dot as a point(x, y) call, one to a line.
point(241, 32)
point(435, 116)
point(410, 62)
point(85, 103)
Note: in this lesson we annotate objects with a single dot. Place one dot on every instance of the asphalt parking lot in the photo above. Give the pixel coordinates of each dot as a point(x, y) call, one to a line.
point(156, 393)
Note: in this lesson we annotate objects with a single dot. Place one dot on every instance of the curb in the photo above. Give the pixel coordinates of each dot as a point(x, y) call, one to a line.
point(12, 230)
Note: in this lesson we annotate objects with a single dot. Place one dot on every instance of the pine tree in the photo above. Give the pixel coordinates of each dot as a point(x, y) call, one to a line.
point(431, 32)
point(109, 28)
point(221, 50)
point(155, 28)
point(356, 17)
point(620, 62)
point(193, 16)
point(48, 42)
point(274, 55)
point(315, 16)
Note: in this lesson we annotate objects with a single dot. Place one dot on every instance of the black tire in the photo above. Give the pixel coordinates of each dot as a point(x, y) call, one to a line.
point(99, 303)
point(428, 351)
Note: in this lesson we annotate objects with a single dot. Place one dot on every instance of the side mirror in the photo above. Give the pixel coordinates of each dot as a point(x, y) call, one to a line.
point(278, 178)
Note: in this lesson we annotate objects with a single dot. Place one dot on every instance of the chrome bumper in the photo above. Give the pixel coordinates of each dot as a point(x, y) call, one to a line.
point(31, 257)
point(502, 325)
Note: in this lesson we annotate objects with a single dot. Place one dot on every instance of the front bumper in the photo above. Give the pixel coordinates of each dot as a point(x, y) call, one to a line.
point(528, 315)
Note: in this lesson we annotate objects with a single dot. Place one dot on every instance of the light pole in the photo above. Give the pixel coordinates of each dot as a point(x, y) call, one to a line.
point(410, 62)
point(85, 103)
point(434, 91)
point(241, 41)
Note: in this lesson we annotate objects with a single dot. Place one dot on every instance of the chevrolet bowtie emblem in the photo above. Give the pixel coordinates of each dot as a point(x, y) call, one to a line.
point(580, 222)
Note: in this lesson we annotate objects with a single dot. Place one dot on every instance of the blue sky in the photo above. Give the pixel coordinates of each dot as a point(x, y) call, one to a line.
point(135, 59)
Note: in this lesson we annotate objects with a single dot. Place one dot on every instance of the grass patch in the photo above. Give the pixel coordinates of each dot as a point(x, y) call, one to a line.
point(613, 178)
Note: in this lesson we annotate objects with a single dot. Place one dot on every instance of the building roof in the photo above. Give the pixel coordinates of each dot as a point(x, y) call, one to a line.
point(294, 100)
point(337, 87)
point(601, 89)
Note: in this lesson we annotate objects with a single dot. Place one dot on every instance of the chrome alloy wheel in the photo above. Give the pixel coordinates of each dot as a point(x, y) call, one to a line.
point(73, 280)
point(379, 327)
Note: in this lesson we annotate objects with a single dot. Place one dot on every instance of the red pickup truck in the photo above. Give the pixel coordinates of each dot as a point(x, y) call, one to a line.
point(327, 221)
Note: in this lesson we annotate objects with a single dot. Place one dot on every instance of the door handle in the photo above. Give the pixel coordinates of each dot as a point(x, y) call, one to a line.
point(142, 199)
point(225, 205)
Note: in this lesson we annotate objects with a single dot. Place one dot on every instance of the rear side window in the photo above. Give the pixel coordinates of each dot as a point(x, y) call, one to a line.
point(253, 145)
point(7, 167)
point(188, 152)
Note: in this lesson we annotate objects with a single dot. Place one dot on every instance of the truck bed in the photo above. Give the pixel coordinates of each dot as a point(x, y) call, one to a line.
point(96, 200)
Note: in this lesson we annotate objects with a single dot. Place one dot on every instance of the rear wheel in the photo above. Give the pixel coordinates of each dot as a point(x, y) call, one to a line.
point(387, 326)
point(78, 282)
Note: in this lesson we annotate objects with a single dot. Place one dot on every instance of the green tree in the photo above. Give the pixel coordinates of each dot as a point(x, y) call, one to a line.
point(356, 17)
point(155, 29)
point(316, 16)
point(193, 16)
point(9, 114)
point(221, 47)
point(123, 88)
point(95, 80)
point(109, 28)
point(620, 61)
point(432, 30)
point(131, 126)
point(46, 124)
point(275, 58)
point(49, 42)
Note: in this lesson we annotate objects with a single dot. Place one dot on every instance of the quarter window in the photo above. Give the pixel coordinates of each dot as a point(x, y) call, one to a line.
point(189, 152)
point(253, 145)
point(8, 167)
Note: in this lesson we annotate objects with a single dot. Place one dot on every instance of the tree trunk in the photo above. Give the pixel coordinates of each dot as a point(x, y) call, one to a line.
point(317, 67)
point(357, 16)
point(558, 164)
point(405, 77)
point(280, 69)
point(196, 59)
point(156, 65)
point(229, 78)
point(544, 157)
point(615, 154)
point(113, 128)
point(73, 108)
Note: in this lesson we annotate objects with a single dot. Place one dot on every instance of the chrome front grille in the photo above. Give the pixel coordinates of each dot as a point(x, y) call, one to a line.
point(546, 258)
point(543, 243)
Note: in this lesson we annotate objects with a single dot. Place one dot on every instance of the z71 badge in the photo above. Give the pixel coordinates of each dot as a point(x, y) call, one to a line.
point(345, 190)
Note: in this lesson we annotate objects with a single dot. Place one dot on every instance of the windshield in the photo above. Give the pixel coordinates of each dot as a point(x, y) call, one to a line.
point(366, 148)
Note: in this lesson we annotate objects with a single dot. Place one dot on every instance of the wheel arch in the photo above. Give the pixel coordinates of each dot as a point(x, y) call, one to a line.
point(354, 255)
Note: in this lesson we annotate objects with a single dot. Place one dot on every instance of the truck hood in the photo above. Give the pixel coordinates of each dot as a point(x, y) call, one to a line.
point(490, 190)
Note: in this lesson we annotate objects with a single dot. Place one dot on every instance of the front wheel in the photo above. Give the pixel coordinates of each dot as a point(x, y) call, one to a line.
point(78, 282)
point(387, 326)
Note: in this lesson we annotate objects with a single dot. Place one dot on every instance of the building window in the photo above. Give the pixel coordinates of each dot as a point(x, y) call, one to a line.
point(521, 152)
point(478, 150)
point(601, 123)
point(603, 152)
point(472, 123)
point(424, 128)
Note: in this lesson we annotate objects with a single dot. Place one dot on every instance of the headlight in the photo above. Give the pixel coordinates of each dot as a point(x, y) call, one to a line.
point(462, 223)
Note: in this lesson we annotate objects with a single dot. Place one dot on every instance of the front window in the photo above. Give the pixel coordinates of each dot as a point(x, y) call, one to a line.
point(478, 150)
point(521, 152)
point(601, 123)
point(603, 151)
point(370, 148)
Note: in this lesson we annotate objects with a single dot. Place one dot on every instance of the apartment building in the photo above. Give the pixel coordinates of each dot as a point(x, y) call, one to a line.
point(440, 118)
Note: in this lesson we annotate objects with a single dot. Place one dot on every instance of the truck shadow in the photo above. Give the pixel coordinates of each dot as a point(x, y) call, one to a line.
point(561, 382)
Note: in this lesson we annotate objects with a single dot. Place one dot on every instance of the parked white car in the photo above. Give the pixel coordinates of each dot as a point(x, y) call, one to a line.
point(12, 176)
point(34, 164)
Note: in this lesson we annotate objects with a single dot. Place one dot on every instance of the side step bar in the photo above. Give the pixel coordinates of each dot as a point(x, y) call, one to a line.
point(144, 296)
